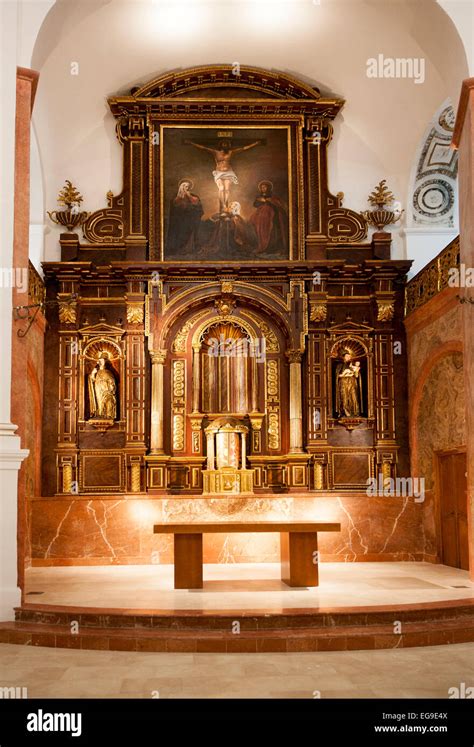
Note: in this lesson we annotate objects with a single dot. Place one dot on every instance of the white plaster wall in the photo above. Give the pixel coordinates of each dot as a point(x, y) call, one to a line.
point(461, 13)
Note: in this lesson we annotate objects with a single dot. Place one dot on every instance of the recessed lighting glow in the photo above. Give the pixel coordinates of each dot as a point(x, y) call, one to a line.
point(179, 19)
point(269, 14)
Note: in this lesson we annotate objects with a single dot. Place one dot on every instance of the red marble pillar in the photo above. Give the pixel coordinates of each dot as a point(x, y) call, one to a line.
point(26, 83)
point(463, 139)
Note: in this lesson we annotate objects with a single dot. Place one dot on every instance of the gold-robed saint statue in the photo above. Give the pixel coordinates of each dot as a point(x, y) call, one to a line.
point(102, 390)
point(348, 387)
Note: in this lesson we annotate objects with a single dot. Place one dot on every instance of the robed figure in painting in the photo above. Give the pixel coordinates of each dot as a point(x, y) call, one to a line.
point(348, 387)
point(102, 390)
point(270, 221)
point(243, 233)
point(184, 221)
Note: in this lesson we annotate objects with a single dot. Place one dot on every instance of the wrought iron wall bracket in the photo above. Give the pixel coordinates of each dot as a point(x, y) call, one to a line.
point(30, 312)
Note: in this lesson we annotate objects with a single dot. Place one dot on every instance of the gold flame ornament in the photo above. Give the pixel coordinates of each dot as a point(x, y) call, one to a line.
point(71, 217)
point(380, 216)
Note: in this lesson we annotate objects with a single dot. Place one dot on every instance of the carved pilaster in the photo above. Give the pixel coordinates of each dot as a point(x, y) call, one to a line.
point(384, 387)
point(318, 476)
point(135, 477)
point(68, 388)
point(196, 377)
point(132, 132)
point(273, 405)
point(158, 359)
point(135, 386)
point(296, 410)
point(67, 477)
point(179, 405)
point(196, 435)
point(316, 388)
point(256, 423)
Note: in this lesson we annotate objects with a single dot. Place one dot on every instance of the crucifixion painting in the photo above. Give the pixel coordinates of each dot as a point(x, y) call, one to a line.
point(225, 194)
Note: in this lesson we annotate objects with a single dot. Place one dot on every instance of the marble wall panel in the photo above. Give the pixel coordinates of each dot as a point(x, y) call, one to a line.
point(108, 531)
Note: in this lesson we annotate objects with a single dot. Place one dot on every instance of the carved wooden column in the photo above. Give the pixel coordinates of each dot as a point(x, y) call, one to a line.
point(316, 384)
point(244, 450)
point(384, 379)
point(196, 377)
point(135, 383)
point(210, 450)
point(254, 364)
point(132, 133)
point(296, 410)
point(157, 401)
point(67, 449)
point(135, 366)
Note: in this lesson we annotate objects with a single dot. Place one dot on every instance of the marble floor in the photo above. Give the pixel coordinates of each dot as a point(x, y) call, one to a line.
point(394, 673)
point(246, 586)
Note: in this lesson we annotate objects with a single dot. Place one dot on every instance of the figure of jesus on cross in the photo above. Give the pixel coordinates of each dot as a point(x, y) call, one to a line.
point(224, 175)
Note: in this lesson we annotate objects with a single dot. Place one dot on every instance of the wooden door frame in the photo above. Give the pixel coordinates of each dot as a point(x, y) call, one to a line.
point(436, 493)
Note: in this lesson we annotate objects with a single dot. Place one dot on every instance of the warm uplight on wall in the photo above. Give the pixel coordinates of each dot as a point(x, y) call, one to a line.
point(185, 17)
point(180, 19)
point(143, 512)
point(268, 14)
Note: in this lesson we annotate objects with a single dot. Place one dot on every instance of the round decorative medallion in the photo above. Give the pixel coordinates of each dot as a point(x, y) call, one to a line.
point(447, 119)
point(434, 198)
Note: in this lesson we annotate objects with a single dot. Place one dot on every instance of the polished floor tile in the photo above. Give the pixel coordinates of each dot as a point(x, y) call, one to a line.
point(409, 673)
point(246, 586)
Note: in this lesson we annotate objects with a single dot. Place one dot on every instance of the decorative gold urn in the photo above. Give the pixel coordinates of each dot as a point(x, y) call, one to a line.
point(379, 216)
point(71, 217)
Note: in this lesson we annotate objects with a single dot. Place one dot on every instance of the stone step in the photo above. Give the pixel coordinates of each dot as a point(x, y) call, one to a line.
point(200, 640)
point(289, 619)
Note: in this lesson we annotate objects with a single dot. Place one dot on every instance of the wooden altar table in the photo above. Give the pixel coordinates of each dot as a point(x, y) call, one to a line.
point(298, 543)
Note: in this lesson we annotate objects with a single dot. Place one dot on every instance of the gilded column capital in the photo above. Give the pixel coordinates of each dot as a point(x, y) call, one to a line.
point(67, 306)
point(158, 356)
point(385, 310)
point(135, 312)
point(294, 356)
point(318, 311)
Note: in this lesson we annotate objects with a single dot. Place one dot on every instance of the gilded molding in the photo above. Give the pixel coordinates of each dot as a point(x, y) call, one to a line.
point(273, 404)
point(67, 477)
point(318, 311)
point(67, 311)
point(433, 278)
point(179, 404)
point(294, 356)
point(36, 288)
point(385, 311)
point(135, 313)
point(225, 306)
point(318, 476)
point(179, 342)
point(178, 432)
point(135, 477)
point(271, 340)
point(158, 356)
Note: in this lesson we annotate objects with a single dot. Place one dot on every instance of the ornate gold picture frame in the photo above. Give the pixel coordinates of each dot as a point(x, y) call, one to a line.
point(226, 192)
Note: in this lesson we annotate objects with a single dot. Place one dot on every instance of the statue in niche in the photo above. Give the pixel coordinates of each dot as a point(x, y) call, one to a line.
point(349, 402)
point(102, 390)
